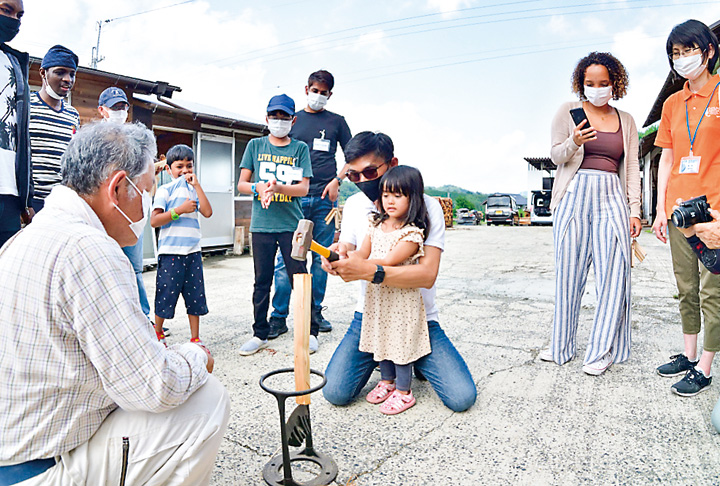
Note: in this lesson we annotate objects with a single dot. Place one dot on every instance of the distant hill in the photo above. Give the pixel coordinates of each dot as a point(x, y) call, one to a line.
point(462, 198)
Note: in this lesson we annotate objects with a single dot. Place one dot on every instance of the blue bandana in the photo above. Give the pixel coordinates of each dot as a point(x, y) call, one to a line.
point(60, 56)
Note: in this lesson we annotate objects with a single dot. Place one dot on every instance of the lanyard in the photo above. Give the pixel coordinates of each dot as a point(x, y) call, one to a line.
point(687, 119)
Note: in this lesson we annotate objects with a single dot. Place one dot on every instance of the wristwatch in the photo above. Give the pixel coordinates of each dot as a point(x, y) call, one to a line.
point(379, 275)
point(340, 181)
point(175, 216)
point(253, 188)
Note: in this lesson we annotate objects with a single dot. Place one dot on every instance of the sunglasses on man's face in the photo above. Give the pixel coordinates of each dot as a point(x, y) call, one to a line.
point(368, 173)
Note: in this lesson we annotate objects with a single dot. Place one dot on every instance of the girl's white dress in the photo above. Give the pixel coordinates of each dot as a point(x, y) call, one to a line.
point(394, 324)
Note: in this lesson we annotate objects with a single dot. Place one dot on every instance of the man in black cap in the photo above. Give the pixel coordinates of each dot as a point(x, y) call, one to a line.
point(53, 122)
point(15, 177)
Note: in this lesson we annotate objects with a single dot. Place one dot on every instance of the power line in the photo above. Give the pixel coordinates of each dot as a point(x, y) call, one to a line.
point(148, 11)
point(511, 19)
point(495, 14)
point(95, 56)
point(349, 29)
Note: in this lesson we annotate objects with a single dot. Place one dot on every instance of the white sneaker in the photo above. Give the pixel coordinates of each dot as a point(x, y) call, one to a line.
point(598, 367)
point(314, 345)
point(546, 355)
point(252, 346)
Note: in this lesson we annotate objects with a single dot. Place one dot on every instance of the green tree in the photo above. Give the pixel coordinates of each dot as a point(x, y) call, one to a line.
point(463, 202)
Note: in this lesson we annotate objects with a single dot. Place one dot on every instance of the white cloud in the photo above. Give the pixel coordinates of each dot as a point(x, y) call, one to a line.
point(371, 44)
point(446, 7)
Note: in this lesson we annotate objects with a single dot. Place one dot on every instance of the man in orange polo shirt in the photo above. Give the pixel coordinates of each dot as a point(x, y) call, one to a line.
point(690, 167)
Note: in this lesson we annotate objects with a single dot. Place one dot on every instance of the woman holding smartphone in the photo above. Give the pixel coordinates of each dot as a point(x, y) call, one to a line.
point(597, 180)
point(690, 167)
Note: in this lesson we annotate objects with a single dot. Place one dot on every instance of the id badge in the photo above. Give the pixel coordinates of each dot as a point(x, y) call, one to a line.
point(690, 164)
point(321, 144)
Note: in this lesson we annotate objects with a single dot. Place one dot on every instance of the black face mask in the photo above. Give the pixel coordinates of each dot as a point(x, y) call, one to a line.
point(370, 188)
point(9, 28)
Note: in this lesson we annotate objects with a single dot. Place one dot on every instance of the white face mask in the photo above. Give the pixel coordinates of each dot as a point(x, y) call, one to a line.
point(117, 116)
point(138, 227)
point(279, 128)
point(316, 101)
point(51, 92)
point(598, 96)
point(690, 67)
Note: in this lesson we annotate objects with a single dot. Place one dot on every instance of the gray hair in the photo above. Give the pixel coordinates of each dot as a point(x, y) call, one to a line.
point(100, 148)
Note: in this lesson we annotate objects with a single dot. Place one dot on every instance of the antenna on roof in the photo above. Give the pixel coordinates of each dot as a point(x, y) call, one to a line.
point(96, 58)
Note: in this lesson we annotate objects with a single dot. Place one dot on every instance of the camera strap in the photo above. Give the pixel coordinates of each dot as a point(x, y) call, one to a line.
point(687, 119)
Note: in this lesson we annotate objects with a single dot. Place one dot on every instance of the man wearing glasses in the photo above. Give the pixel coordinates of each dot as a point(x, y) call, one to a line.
point(368, 156)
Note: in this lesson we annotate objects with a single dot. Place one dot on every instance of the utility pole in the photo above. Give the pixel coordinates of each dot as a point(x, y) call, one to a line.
point(96, 58)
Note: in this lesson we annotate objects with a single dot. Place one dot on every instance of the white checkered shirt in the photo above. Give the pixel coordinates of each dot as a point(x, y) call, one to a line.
point(74, 343)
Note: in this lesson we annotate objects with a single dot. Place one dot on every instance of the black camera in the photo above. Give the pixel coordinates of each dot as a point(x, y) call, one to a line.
point(691, 212)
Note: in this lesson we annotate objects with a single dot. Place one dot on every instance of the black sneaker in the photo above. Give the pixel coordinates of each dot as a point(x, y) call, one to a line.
point(166, 331)
point(678, 365)
point(277, 327)
point(694, 382)
point(323, 324)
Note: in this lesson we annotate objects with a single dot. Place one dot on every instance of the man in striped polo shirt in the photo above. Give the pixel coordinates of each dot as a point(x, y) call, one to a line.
point(53, 121)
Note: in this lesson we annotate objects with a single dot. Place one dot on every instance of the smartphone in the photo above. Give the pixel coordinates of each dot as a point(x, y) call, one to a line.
point(578, 115)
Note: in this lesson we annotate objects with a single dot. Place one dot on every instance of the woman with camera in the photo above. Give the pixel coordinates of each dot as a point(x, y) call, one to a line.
point(597, 180)
point(690, 167)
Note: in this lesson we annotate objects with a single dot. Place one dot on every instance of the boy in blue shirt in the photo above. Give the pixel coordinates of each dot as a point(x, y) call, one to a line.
point(179, 259)
point(276, 170)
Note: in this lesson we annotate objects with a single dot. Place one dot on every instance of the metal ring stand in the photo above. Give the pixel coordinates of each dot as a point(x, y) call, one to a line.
point(271, 471)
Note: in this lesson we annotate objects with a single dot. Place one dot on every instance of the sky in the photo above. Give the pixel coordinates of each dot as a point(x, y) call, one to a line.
point(465, 88)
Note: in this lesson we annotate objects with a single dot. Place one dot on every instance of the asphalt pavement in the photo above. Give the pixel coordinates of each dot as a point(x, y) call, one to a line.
point(534, 423)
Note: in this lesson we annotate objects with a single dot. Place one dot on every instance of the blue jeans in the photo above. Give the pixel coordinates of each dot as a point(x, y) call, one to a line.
point(349, 369)
point(315, 209)
point(135, 255)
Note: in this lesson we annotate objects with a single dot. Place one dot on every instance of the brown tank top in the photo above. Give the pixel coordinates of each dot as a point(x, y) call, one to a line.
point(605, 152)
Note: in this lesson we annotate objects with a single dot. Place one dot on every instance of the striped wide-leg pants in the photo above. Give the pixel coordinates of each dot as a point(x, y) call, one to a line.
point(591, 225)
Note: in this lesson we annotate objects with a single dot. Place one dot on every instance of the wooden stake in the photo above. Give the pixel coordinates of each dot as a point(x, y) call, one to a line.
point(239, 244)
point(302, 293)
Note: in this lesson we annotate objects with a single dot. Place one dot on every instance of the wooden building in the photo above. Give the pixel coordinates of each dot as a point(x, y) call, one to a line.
point(218, 138)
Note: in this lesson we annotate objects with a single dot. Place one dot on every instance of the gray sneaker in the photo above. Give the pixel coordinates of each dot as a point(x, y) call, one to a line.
point(678, 365)
point(252, 346)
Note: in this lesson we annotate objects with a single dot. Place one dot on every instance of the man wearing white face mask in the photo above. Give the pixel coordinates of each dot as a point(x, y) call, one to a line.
point(91, 396)
point(113, 107)
point(53, 121)
point(322, 131)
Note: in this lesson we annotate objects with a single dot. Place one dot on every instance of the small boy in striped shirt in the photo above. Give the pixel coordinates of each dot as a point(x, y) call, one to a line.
point(179, 259)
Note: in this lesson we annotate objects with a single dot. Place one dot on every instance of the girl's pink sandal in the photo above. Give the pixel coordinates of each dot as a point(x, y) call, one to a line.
point(397, 402)
point(381, 391)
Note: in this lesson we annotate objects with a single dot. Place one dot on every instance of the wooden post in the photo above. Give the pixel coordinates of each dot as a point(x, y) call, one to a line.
point(302, 293)
point(239, 244)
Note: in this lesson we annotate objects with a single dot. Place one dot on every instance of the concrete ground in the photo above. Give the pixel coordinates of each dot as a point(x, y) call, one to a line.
point(533, 423)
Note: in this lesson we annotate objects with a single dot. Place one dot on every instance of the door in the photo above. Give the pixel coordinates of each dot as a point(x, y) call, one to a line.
point(215, 169)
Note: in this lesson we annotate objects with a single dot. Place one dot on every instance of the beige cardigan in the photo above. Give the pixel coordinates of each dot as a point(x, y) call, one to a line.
point(568, 157)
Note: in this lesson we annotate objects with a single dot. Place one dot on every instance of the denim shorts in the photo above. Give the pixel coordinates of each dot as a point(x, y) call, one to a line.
point(178, 274)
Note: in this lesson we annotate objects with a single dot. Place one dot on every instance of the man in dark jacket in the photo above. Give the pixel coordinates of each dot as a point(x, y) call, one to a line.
point(16, 189)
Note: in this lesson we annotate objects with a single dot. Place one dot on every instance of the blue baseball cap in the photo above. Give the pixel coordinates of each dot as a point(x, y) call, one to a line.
point(112, 96)
point(283, 103)
point(60, 56)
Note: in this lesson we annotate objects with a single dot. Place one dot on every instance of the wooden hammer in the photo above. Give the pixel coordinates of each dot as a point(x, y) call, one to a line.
point(302, 242)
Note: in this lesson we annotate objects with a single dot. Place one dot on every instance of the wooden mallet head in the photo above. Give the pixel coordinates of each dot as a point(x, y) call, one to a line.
point(302, 238)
